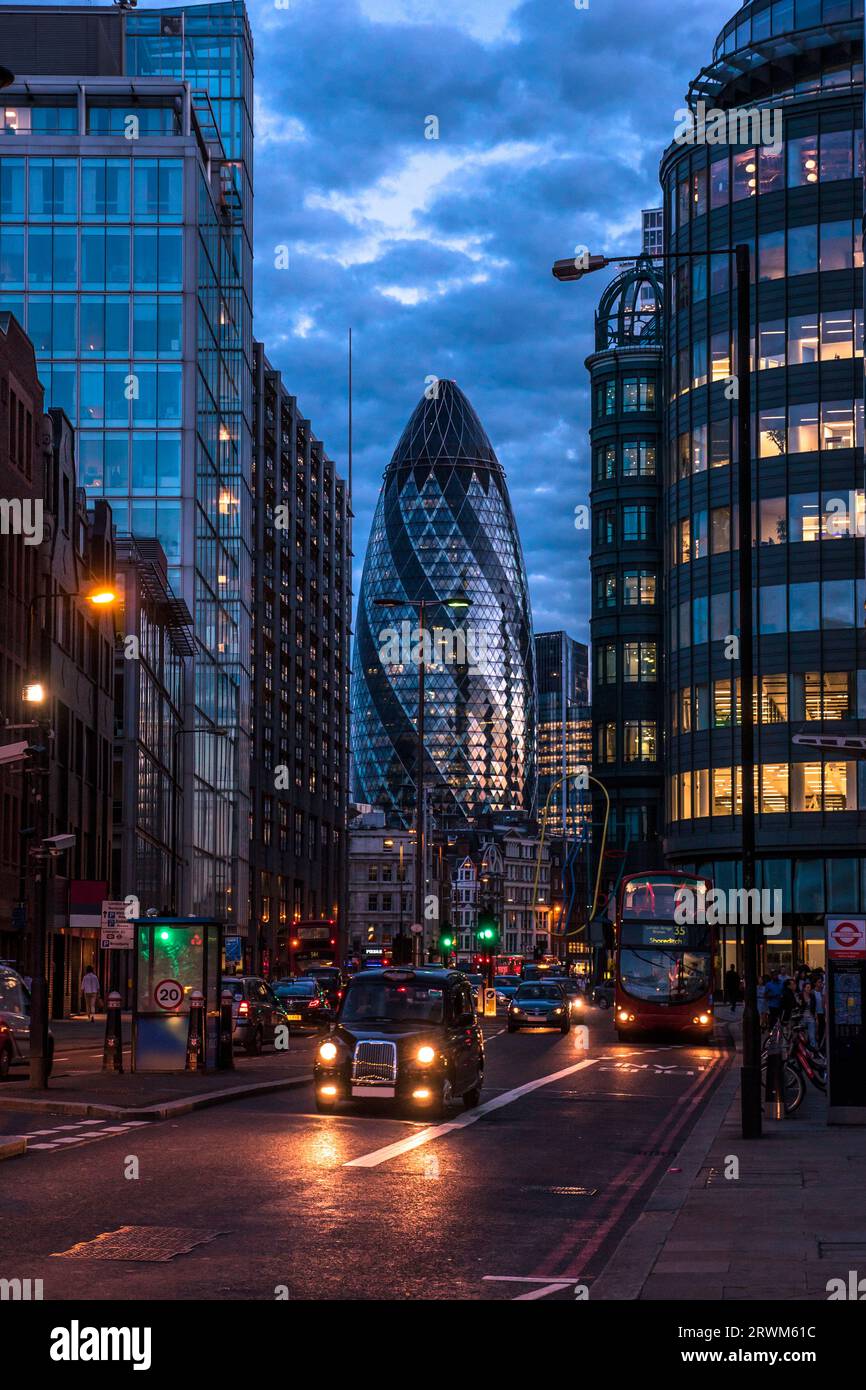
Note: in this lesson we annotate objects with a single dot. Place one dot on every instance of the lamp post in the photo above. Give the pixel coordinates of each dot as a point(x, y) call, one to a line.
point(457, 603)
point(42, 853)
point(575, 269)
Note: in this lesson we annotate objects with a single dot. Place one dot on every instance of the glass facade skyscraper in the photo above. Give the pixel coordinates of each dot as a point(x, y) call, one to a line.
point(797, 200)
point(125, 249)
point(443, 526)
point(563, 731)
point(626, 373)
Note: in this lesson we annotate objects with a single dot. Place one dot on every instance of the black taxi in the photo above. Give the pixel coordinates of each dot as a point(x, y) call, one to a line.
point(405, 1034)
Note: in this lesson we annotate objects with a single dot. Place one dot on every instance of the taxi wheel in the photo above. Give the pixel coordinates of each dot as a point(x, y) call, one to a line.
point(566, 1027)
point(256, 1044)
point(512, 1027)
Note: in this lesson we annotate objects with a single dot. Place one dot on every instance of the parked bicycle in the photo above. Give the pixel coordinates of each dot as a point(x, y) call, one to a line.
point(800, 1062)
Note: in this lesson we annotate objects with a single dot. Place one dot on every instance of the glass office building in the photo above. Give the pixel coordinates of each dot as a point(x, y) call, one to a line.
point(444, 527)
point(791, 187)
point(563, 732)
point(626, 374)
point(122, 251)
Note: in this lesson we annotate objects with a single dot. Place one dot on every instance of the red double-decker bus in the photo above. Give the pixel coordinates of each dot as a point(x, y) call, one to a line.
point(313, 942)
point(664, 957)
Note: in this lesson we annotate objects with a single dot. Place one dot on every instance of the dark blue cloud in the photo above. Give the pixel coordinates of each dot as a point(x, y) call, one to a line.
point(438, 252)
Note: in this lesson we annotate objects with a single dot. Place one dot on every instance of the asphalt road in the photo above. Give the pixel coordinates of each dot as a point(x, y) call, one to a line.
point(524, 1197)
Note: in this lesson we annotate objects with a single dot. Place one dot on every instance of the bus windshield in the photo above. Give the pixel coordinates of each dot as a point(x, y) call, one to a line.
point(665, 977)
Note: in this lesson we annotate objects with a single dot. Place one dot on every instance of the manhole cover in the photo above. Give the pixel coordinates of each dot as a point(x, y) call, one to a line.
point(152, 1243)
point(564, 1191)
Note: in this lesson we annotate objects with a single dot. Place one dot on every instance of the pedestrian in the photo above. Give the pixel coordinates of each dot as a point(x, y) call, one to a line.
point(808, 999)
point(732, 987)
point(773, 997)
point(788, 1001)
point(90, 990)
point(820, 1015)
point(762, 1002)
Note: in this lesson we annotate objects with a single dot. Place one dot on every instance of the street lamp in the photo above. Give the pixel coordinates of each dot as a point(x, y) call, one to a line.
point(35, 692)
point(575, 269)
point(458, 603)
point(6, 78)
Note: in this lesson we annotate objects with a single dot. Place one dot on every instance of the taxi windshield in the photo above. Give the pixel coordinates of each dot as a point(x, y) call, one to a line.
point(539, 992)
point(386, 1001)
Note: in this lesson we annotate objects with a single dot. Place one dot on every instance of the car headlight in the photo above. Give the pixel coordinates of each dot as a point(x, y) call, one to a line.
point(557, 1010)
point(327, 1052)
point(426, 1054)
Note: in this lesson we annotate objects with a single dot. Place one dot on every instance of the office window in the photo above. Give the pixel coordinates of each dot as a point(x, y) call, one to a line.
point(605, 672)
point(771, 256)
point(837, 335)
point(638, 394)
point(774, 699)
point(640, 663)
point(803, 250)
point(803, 343)
point(606, 742)
point(638, 459)
point(773, 788)
point(723, 791)
point(771, 345)
point(605, 462)
point(639, 740)
point(720, 530)
point(837, 245)
point(802, 160)
point(773, 525)
point(802, 429)
point(804, 605)
point(639, 588)
point(771, 432)
point(638, 523)
point(744, 182)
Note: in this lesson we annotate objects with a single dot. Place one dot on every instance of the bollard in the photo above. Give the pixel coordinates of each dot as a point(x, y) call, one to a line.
point(774, 1096)
point(195, 1038)
point(112, 1053)
point(225, 1052)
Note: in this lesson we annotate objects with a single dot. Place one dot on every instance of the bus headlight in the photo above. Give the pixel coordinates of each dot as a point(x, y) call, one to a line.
point(327, 1052)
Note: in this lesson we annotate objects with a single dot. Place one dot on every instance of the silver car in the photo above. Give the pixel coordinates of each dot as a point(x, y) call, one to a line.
point(15, 1022)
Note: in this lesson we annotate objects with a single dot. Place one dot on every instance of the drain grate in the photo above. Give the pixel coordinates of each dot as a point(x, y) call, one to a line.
point(155, 1244)
point(563, 1191)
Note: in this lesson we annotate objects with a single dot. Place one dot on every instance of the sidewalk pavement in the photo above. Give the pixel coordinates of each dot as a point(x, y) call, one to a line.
point(157, 1096)
point(792, 1219)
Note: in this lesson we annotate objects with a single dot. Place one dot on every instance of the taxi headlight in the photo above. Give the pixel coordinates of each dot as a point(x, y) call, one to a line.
point(327, 1052)
point(426, 1054)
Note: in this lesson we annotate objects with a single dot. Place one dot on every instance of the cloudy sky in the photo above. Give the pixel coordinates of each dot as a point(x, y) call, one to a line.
point(438, 252)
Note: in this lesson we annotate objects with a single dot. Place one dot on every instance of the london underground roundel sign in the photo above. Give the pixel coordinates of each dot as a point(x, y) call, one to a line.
point(846, 937)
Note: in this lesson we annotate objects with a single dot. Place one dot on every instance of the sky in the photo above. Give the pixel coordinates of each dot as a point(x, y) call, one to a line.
point(437, 252)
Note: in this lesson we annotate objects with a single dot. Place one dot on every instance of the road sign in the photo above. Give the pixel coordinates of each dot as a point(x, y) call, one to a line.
point(846, 938)
point(416, 928)
point(169, 994)
point(117, 931)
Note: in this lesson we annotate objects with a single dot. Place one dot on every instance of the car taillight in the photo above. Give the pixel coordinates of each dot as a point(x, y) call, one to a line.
point(314, 1003)
point(243, 1007)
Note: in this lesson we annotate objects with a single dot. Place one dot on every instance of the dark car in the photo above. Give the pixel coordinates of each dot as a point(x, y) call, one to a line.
point(405, 1034)
point(602, 994)
point(15, 1022)
point(256, 1012)
point(573, 991)
point(506, 987)
point(332, 981)
point(305, 1003)
point(539, 1004)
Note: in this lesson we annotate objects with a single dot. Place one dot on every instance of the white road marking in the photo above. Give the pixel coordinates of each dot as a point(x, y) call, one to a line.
point(372, 1160)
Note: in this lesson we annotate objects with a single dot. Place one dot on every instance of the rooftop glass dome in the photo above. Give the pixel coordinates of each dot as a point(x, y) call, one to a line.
point(629, 313)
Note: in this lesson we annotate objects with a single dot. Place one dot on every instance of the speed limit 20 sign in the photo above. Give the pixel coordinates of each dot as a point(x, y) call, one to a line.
point(169, 994)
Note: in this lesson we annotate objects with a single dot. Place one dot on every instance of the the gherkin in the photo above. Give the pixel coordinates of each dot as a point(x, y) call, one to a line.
point(444, 525)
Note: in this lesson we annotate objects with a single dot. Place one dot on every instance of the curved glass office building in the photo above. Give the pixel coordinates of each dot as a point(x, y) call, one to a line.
point(775, 159)
point(626, 372)
point(444, 528)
